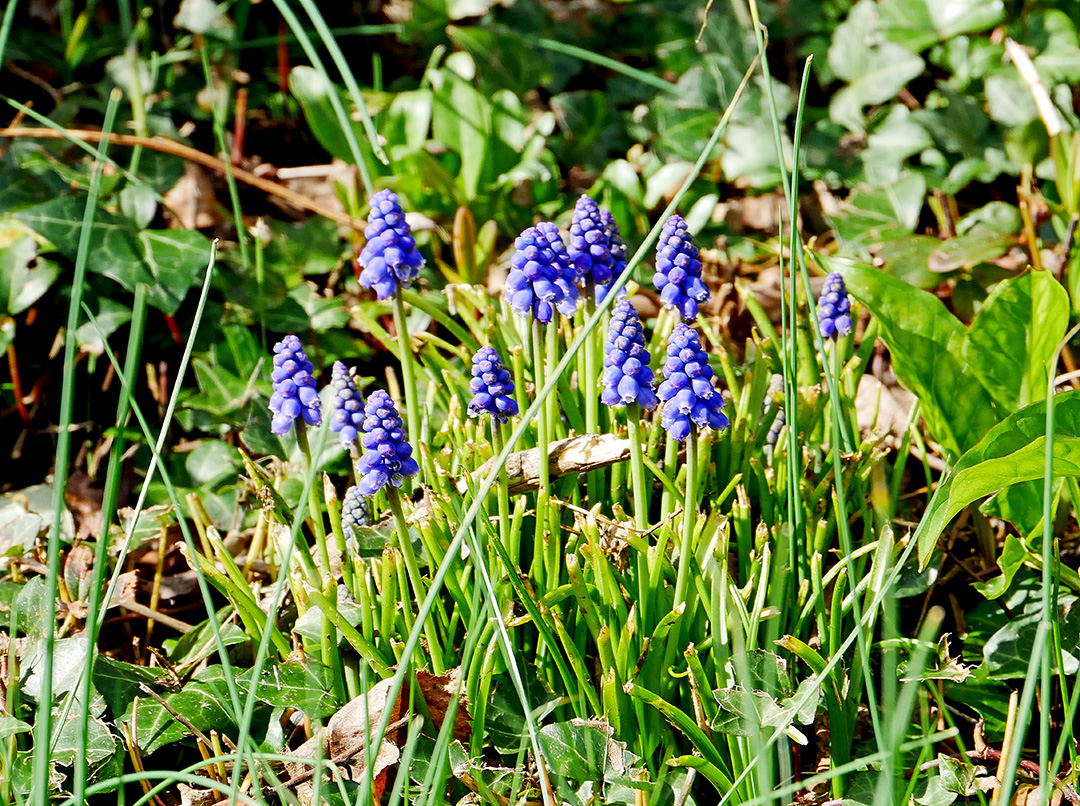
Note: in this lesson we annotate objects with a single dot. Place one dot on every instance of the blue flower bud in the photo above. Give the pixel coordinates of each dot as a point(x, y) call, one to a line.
point(678, 270)
point(294, 394)
point(834, 307)
point(542, 278)
point(355, 512)
point(687, 391)
point(390, 256)
point(627, 377)
point(387, 454)
point(491, 387)
point(596, 246)
point(348, 406)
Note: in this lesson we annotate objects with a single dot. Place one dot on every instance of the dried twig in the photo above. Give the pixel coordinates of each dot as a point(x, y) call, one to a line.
point(167, 146)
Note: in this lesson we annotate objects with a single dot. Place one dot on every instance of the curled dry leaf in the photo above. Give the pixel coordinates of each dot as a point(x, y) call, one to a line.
point(438, 692)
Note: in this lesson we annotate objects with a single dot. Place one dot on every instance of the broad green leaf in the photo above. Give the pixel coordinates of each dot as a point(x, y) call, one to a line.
point(199, 644)
point(1012, 339)
point(306, 686)
point(918, 24)
point(907, 259)
point(462, 121)
point(22, 279)
point(100, 743)
point(926, 343)
point(875, 70)
point(9, 726)
point(1012, 558)
point(874, 215)
point(1008, 651)
point(69, 658)
point(968, 251)
point(212, 462)
point(170, 262)
point(312, 90)
point(204, 702)
point(1011, 452)
point(1053, 32)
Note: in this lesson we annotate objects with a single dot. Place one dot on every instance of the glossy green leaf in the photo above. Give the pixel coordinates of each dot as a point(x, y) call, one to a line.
point(312, 90)
point(875, 215)
point(169, 262)
point(303, 685)
point(1012, 340)
point(918, 24)
point(875, 70)
point(1008, 652)
point(1012, 558)
point(926, 343)
point(1012, 452)
point(22, 279)
point(204, 702)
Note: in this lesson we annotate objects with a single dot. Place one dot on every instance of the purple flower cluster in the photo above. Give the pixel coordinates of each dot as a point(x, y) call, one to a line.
point(834, 307)
point(390, 257)
point(348, 406)
point(678, 270)
point(627, 377)
point(596, 246)
point(387, 453)
point(542, 278)
point(491, 387)
point(294, 388)
point(687, 391)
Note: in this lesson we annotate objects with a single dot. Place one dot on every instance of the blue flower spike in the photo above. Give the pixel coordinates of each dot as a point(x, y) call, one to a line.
point(355, 512)
point(596, 246)
point(542, 278)
point(387, 454)
point(491, 387)
point(348, 406)
point(687, 391)
point(678, 270)
point(834, 308)
point(294, 394)
point(389, 259)
point(627, 377)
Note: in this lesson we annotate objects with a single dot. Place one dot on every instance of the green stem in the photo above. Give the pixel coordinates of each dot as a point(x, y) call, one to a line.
point(544, 492)
point(408, 378)
point(689, 519)
point(504, 495)
point(641, 505)
point(413, 570)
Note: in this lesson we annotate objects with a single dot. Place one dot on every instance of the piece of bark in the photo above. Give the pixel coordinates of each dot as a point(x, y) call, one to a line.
point(578, 454)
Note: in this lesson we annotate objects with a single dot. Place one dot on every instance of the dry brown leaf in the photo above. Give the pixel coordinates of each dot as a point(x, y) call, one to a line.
point(438, 690)
point(190, 203)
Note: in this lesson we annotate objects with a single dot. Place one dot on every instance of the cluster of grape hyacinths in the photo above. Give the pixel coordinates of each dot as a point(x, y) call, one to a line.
point(627, 377)
point(491, 387)
point(596, 246)
point(387, 454)
point(348, 406)
point(834, 308)
point(678, 270)
point(542, 278)
point(390, 258)
point(294, 394)
point(687, 391)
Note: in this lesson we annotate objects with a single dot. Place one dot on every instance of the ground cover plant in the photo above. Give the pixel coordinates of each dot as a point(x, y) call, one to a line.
point(539, 402)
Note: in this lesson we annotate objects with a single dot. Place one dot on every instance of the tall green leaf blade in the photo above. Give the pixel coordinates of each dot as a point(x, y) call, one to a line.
point(1011, 453)
point(1013, 338)
point(926, 342)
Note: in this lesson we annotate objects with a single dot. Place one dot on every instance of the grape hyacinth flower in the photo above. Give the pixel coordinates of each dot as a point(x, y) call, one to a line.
point(678, 270)
point(627, 377)
point(348, 406)
point(491, 387)
point(355, 512)
point(390, 257)
point(542, 278)
point(687, 391)
point(596, 246)
point(774, 430)
point(834, 307)
point(295, 394)
point(387, 454)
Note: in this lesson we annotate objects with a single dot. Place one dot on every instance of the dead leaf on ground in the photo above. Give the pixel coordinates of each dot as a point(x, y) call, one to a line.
point(438, 692)
point(578, 454)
